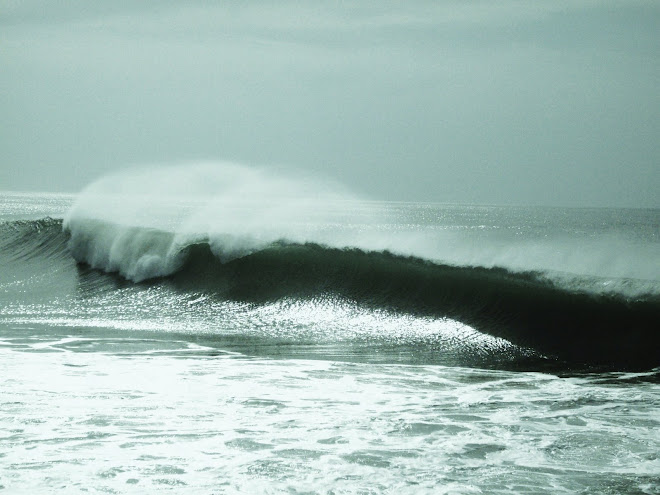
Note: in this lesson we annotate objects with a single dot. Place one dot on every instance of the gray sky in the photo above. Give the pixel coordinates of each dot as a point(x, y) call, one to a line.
point(509, 101)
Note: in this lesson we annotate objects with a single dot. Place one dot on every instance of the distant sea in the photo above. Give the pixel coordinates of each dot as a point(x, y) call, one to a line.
point(364, 347)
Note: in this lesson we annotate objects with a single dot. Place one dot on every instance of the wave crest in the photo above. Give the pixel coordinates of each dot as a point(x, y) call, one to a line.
point(137, 222)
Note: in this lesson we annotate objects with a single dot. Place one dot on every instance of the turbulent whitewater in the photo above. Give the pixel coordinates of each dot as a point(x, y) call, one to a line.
point(214, 328)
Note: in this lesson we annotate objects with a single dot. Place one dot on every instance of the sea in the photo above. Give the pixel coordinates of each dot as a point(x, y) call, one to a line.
point(228, 340)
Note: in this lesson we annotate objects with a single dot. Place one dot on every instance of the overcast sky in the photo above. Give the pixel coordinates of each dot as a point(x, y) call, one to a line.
point(524, 102)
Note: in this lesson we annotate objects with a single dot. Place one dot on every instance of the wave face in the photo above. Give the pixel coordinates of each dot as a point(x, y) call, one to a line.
point(524, 308)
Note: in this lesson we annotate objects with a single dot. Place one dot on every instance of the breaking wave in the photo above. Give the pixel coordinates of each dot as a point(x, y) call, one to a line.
point(244, 234)
point(526, 308)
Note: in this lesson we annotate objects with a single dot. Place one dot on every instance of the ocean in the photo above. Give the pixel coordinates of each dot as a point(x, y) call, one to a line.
point(246, 343)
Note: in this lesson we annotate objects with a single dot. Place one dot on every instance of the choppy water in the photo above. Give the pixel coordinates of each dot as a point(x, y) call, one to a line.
point(303, 381)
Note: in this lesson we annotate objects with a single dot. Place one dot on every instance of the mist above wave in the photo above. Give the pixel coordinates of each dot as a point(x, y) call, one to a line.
point(137, 222)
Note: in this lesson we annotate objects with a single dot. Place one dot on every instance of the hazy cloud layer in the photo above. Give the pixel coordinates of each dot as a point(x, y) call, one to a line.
point(491, 102)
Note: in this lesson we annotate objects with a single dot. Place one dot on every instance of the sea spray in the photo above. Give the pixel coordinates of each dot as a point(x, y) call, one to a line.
point(138, 222)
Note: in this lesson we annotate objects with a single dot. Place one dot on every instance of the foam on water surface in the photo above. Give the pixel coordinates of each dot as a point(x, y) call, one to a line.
point(150, 415)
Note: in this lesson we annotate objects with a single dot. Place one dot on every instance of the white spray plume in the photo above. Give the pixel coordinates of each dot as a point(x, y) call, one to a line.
point(136, 222)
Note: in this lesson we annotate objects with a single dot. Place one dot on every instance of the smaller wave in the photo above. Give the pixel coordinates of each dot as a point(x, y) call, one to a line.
point(32, 240)
point(34, 260)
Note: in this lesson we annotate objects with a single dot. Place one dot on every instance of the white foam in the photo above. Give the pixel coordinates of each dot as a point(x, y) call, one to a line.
point(136, 222)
